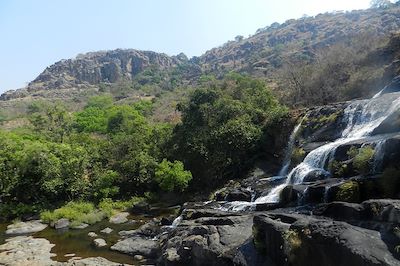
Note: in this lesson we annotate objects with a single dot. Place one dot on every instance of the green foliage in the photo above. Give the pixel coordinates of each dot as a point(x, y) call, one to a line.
point(298, 155)
point(110, 207)
point(171, 176)
point(223, 125)
point(362, 158)
point(104, 183)
point(348, 192)
point(76, 212)
point(338, 169)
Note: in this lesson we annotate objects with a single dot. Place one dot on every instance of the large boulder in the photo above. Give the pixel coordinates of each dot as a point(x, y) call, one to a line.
point(304, 240)
point(138, 246)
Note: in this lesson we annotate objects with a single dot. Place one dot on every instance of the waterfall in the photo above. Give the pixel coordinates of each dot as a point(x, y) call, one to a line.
point(361, 118)
point(289, 150)
point(378, 156)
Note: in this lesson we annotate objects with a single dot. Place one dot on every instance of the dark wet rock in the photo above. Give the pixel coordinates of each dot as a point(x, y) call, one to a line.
point(315, 175)
point(140, 207)
point(340, 210)
point(268, 206)
point(383, 210)
point(167, 220)
point(199, 242)
point(138, 246)
point(25, 228)
point(149, 229)
point(303, 240)
point(238, 195)
point(288, 194)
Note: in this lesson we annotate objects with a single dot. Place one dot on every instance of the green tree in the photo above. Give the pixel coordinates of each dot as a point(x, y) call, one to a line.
point(171, 176)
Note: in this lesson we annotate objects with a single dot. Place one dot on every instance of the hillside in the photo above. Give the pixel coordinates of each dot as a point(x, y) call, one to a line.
point(309, 61)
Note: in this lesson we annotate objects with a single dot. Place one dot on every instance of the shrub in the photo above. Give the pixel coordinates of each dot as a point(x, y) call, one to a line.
point(172, 176)
point(348, 192)
point(75, 212)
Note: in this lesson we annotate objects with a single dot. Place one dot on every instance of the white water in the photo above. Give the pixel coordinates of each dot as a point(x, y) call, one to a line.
point(289, 150)
point(361, 118)
point(378, 156)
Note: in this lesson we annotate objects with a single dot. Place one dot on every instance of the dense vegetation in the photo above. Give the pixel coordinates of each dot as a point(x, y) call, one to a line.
point(110, 151)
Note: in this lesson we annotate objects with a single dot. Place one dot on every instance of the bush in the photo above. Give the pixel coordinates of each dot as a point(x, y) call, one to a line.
point(348, 192)
point(110, 207)
point(363, 160)
point(75, 212)
point(172, 176)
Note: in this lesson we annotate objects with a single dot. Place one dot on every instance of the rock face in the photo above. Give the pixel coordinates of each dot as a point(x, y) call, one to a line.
point(97, 67)
point(302, 240)
point(25, 228)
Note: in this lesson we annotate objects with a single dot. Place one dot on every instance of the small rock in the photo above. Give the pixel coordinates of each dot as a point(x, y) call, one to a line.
point(92, 234)
point(119, 218)
point(106, 230)
point(62, 223)
point(99, 242)
point(80, 226)
point(138, 257)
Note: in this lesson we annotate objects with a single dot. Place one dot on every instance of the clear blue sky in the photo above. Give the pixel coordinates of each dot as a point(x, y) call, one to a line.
point(37, 33)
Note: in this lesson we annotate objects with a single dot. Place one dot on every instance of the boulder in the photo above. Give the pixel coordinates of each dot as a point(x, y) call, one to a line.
point(119, 218)
point(99, 242)
point(138, 246)
point(62, 223)
point(240, 194)
point(25, 228)
point(304, 240)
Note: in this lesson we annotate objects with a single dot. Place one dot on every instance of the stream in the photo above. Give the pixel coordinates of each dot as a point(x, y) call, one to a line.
point(77, 241)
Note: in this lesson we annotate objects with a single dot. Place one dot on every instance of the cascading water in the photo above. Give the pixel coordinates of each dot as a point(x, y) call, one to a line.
point(378, 156)
point(361, 119)
point(289, 150)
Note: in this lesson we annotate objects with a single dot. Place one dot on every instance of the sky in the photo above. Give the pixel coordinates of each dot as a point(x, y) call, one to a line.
point(37, 33)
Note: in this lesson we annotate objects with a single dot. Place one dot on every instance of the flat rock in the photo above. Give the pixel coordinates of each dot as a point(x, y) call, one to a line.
point(25, 228)
point(97, 261)
point(119, 218)
point(26, 250)
point(80, 226)
point(138, 246)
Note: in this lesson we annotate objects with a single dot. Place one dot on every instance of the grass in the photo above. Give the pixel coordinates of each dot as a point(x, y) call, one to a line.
point(75, 212)
point(86, 212)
